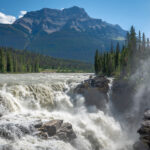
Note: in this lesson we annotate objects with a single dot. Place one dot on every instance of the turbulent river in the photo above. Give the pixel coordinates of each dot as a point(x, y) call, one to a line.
point(28, 98)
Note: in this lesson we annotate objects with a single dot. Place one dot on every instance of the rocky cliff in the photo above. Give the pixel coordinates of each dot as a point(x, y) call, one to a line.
point(69, 33)
point(95, 91)
point(144, 130)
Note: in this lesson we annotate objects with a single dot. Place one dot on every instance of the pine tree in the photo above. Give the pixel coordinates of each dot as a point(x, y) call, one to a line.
point(143, 42)
point(15, 64)
point(132, 49)
point(148, 43)
point(139, 41)
point(9, 62)
point(2, 61)
point(37, 65)
point(112, 48)
point(96, 63)
point(117, 56)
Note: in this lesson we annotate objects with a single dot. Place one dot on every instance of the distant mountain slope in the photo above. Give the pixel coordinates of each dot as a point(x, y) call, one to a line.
point(68, 33)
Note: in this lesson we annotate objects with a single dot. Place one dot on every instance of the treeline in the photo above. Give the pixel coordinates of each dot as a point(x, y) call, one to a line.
point(62, 65)
point(123, 61)
point(15, 61)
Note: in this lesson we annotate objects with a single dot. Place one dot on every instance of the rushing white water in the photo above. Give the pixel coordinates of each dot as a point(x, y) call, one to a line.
point(28, 98)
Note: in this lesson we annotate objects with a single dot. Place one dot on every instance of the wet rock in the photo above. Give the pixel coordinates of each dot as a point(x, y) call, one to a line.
point(144, 131)
point(99, 82)
point(51, 127)
point(42, 135)
point(66, 132)
point(57, 129)
point(140, 146)
point(38, 124)
point(95, 91)
point(147, 114)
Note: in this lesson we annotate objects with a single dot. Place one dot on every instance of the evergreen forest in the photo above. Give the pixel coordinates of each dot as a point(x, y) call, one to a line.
point(122, 61)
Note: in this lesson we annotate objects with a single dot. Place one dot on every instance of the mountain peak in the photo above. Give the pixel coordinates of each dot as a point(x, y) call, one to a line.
point(75, 11)
point(51, 20)
point(67, 33)
point(75, 8)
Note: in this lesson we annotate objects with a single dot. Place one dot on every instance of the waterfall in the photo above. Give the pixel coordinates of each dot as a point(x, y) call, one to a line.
point(27, 98)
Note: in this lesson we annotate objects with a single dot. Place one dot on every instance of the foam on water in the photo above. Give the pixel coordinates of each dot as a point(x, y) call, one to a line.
point(27, 98)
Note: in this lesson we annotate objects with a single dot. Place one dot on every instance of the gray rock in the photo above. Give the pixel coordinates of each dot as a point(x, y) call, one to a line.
point(38, 124)
point(140, 146)
point(57, 129)
point(42, 135)
point(66, 132)
point(144, 131)
point(147, 114)
point(95, 91)
point(51, 127)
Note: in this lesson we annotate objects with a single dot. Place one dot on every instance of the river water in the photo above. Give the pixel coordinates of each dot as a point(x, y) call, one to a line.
point(27, 98)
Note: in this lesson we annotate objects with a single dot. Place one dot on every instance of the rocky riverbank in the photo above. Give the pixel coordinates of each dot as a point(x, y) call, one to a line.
point(144, 130)
point(56, 129)
point(95, 91)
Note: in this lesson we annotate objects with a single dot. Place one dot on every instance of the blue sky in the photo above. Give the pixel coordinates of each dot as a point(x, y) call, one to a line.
point(122, 12)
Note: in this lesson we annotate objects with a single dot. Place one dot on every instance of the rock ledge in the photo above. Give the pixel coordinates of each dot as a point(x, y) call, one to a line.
point(56, 129)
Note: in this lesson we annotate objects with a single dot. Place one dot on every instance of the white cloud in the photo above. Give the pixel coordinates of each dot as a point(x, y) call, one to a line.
point(22, 13)
point(6, 19)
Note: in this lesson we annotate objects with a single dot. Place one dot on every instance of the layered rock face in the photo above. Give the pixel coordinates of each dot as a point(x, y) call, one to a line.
point(144, 131)
point(95, 91)
point(69, 33)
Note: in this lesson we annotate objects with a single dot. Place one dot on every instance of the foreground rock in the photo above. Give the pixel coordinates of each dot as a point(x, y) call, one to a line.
point(140, 146)
point(95, 91)
point(144, 131)
point(56, 129)
point(53, 129)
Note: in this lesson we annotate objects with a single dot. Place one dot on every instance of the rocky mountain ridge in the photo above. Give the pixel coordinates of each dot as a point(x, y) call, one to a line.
point(69, 33)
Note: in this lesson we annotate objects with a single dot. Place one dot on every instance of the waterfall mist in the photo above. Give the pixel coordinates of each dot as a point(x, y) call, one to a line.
point(27, 99)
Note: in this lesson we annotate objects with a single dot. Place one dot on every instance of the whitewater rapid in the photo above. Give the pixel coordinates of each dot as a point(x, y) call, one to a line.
point(27, 98)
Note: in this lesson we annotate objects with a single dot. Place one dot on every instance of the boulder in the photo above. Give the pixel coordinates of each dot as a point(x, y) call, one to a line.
point(56, 129)
point(66, 132)
point(43, 135)
point(140, 146)
point(95, 91)
point(99, 82)
point(51, 127)
point(144, 130)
